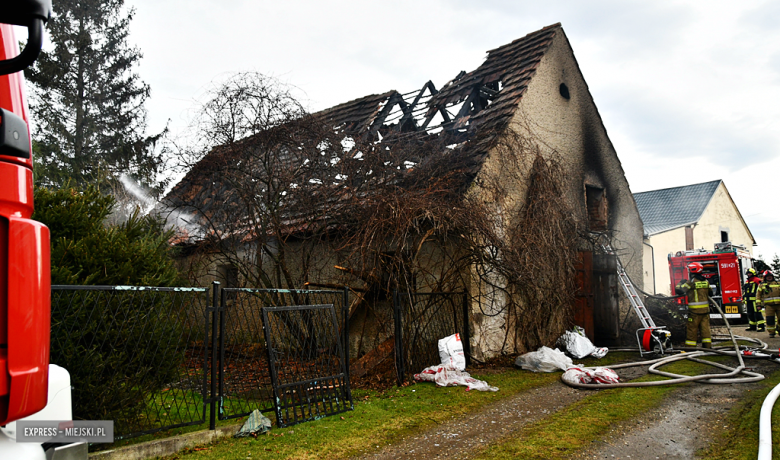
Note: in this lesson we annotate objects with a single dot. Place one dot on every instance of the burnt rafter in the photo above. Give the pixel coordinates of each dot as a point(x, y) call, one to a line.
point(409, 114)
point(394, 99)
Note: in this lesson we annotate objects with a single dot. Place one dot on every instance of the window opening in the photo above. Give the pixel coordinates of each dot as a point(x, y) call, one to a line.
point(596, 201)
point(564, 90)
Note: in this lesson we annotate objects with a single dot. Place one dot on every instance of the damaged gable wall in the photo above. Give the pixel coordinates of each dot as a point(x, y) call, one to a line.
point(573, 128)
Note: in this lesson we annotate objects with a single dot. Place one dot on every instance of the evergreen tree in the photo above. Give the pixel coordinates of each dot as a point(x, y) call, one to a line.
point(759, 264)
point(105, 341)
point(88, 104)
point(776, 264)
point(86, 251)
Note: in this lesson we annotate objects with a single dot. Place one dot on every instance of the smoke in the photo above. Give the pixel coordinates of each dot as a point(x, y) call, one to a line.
point(132, 187)
point(184, 224)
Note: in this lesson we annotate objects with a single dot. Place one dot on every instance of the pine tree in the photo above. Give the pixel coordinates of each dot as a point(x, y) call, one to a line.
point(775, 264)
point(88, 103)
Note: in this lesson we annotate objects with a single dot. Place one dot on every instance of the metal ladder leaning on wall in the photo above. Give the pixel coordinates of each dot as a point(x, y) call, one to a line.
point(652, 339)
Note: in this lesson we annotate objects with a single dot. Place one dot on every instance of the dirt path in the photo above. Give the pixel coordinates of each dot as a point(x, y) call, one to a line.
point(458, 437)
point(687, 421)
point(684, 423)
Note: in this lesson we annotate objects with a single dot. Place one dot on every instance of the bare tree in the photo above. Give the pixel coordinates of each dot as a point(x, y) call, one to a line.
point(287, 199)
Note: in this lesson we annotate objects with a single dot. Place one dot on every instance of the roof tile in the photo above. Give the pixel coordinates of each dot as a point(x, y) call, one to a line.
point(670, 208)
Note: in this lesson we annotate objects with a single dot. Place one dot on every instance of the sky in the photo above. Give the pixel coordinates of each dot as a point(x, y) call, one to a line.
point(689, 91)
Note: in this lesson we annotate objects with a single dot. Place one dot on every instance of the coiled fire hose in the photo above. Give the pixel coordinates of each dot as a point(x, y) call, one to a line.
point(765, 422)
point(655, 364)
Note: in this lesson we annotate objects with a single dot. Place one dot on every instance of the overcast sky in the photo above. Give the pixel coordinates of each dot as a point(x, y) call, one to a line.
point(689, 91)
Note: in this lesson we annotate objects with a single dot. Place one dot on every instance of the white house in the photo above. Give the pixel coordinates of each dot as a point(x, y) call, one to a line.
point(686, 218)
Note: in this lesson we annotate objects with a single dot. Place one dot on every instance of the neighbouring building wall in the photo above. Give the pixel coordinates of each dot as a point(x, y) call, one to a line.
point(648, 272)
point(663, 244)
point(721, 219)
point(721, 215)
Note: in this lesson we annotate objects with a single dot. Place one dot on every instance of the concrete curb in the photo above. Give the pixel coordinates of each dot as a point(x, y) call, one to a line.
point(167, 446)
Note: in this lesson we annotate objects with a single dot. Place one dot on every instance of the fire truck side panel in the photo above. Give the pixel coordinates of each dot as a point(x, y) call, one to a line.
point(730, 280)
point(24, 266)
point(12, 96)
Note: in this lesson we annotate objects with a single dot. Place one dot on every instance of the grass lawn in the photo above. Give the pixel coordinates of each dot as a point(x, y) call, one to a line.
point(384, 417)
point(740, 441)
point(379, 418)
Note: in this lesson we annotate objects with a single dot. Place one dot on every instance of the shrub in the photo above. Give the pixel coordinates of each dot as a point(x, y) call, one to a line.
point(115, 344)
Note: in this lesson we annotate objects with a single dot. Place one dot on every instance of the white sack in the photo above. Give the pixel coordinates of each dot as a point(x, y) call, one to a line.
point(576, 344)
point(544, 360)
point(445, 375)
point(590, 375)
point(451, 352)
point(600, 352)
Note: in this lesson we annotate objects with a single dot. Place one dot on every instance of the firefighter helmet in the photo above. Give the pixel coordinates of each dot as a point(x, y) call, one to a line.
point(768, 273)
point(695, 267)
point(752, 272)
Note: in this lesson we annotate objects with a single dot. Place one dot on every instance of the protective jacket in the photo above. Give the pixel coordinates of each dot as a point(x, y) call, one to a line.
point(750, 289)
point(697, 289)
point(769, 293)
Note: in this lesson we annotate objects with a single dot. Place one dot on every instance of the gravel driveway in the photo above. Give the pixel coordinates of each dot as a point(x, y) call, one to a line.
point(686, 421)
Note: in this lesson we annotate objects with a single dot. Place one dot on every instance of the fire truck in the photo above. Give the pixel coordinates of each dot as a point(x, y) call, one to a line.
point(30, 388)
point(725, 268)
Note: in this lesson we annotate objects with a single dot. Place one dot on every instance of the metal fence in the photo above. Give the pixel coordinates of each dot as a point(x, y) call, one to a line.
point(136, 355)
point(421, 319)
point(242, 344)
point(306, 359)
point(153, 359)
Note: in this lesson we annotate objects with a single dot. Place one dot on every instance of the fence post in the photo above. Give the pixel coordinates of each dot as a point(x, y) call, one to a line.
point(466, 330)
point(213, 395)
point(221, 346)
point(399, 350)
point(345, 308)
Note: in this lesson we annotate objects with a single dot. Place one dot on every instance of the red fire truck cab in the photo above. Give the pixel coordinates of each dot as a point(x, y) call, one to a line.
point(725, 269)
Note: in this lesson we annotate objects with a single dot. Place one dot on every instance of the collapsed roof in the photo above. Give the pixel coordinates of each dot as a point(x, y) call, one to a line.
point(471, 109)
point(484, 99)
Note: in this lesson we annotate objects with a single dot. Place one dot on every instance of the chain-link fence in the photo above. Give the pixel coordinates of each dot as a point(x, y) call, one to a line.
point(158, 358)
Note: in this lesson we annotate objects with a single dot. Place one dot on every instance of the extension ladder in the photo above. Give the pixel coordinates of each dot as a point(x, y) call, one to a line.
point(652, 339)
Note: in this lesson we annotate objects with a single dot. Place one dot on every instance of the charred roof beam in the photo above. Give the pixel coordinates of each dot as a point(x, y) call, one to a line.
point(381, 117)
point(409, 113)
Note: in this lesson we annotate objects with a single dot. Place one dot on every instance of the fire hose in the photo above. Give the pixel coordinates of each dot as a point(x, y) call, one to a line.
point(765, 423)
point(655, 364)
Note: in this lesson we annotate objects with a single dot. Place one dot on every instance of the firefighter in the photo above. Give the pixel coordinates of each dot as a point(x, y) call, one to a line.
point(698, 291)
point(769, 299)
point(749, 292)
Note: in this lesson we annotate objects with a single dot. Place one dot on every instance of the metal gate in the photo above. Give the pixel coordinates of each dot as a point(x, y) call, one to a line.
point(421, 320)
point(306, 363)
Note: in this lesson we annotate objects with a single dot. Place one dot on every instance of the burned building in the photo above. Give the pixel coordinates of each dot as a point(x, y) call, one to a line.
point(494, 183)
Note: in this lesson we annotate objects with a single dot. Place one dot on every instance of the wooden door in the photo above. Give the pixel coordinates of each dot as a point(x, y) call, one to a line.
point(583, 301)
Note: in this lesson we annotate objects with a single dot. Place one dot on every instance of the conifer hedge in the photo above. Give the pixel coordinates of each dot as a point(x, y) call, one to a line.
point(117, 352)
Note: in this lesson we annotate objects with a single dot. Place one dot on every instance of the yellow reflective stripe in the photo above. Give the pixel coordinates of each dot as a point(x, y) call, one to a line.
point(706, 340)
point(688, 342)
point(697, 303)
point(702, 284)
point(771, 298)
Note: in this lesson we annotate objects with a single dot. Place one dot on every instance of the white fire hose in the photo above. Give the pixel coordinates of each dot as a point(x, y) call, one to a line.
point(765, 425)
